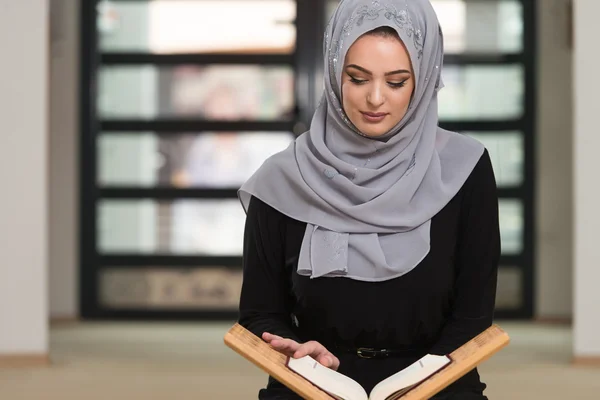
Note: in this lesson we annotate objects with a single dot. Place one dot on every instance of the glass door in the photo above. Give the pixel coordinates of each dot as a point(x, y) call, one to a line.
point(182, 102)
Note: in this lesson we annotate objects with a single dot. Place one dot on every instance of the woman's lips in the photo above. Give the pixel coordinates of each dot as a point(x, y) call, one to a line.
point(373, 117)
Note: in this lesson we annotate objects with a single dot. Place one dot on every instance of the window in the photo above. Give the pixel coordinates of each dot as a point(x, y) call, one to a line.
point(179, 109)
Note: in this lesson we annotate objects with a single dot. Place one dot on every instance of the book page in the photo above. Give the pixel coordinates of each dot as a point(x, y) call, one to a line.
point(409, 376)
point(334, 383)
point(464, 359)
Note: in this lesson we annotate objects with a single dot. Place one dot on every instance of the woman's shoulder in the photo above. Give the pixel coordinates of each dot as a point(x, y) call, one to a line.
point(259, 207)
point(483, 170)
point(480, 187)
point(466, 156)
point(264, 211)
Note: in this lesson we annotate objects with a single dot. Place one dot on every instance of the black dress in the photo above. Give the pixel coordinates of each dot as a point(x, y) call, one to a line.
point(439, 305)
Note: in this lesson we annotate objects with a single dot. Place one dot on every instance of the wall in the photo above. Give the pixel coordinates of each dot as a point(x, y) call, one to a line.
point(63, 142)
point(554, 247)
point(23, 173)
point(587, 192)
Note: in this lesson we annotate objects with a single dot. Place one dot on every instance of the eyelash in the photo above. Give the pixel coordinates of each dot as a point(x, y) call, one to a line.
point(392, 84)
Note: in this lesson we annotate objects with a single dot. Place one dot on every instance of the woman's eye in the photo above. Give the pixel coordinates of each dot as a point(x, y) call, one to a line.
point(357, 81)
point(397, 84)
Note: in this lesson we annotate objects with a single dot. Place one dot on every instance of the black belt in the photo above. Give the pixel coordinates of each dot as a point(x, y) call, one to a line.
point(370, 352)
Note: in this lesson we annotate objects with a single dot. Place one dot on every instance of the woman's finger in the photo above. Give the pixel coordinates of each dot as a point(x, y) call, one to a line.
point(267, 337)
point(329, 360)
point(312, 348)
point(325, 360)
point(294, 349)
point(287, 344)
point(319, 353)
point(334, 362)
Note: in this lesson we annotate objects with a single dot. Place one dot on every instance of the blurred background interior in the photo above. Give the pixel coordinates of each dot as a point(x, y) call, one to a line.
point(130, 124)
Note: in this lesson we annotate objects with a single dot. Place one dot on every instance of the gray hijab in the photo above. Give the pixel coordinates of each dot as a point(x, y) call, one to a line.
point(368, 203)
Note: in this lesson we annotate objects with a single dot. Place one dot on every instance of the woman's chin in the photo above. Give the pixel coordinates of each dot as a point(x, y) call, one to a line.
point(372, 131)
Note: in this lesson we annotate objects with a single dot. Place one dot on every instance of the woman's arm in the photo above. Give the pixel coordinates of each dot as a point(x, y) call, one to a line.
point(266, 302)
point(478, 253)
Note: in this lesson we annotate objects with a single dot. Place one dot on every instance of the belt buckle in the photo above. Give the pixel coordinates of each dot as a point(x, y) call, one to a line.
point(366, 352)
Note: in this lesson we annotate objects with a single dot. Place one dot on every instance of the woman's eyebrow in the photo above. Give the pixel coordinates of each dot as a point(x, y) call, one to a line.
point(366, 71)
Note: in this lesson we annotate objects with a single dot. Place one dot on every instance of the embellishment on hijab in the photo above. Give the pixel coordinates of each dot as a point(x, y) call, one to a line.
point(400, 17)
point(341, 112)
point(330, 173)
point(333, 241)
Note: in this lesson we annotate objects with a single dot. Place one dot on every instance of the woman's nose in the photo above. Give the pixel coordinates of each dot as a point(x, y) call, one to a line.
point(375, 96)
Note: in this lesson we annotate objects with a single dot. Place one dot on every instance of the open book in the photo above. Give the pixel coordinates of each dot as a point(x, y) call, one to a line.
point(419, 381)
point(341, 387)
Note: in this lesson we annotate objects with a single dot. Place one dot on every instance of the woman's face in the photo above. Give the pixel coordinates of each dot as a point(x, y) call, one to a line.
point(377, 84)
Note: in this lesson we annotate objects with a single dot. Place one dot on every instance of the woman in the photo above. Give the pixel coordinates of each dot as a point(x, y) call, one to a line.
point(375, 229)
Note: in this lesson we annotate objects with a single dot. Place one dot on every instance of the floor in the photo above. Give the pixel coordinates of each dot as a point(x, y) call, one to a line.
point(189, 361)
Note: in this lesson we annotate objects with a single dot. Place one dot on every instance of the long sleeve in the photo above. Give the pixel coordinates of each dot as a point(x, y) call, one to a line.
point(478, 253)
point(266, 301)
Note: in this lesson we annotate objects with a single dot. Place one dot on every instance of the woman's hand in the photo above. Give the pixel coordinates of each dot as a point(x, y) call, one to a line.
point(294, 349)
